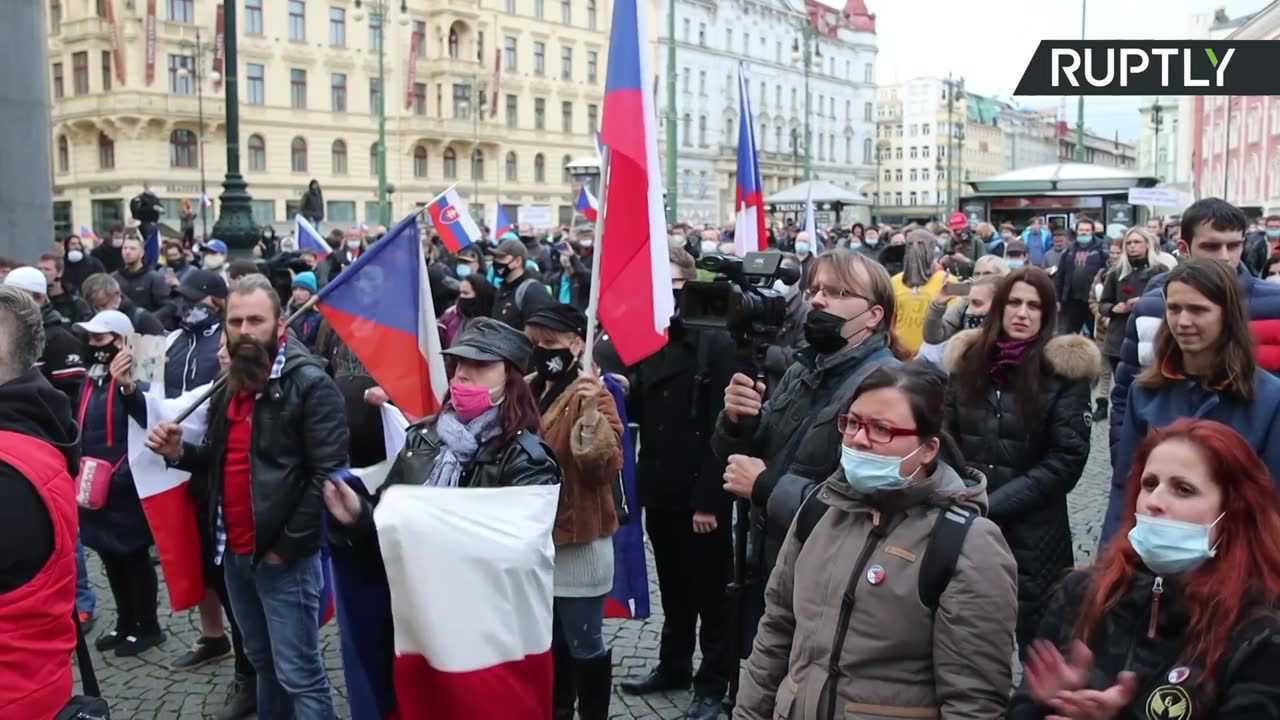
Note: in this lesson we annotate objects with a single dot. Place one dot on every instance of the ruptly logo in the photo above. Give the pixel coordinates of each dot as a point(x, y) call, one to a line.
point(1142, 67)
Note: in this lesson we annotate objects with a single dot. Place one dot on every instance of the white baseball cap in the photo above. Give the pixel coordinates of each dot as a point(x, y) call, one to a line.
point(108, 321)
point(29, 279)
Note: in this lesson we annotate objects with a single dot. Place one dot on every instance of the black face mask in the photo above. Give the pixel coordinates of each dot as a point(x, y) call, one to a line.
point(973, 321)
point(101, 354)
point(502, 271)
point(824, 331)
point(470, 307)
point(553, 364)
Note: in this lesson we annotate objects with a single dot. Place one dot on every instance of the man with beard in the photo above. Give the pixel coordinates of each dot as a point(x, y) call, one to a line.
point(276, 434)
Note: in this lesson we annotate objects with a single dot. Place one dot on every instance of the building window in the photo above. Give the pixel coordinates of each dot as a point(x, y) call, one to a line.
point(297, 21)
point(419, 161)
point(182, 149)
point(80, 72)
point(702, 30)
point(897, 175)
point(866, 150)
point(897, 153)
point(888, 175)
point(911, 131)
point(924, 129)
point(924, 198)
point(539, 168)
point(64, 154)
point(106, 152)
point(375, 160)
point(338, 157)
point(566, 117)
point(453, 43)
point(338, 92)
point(257, 153)
point(565, 176)
point(539, 58)
point(298, 88)
point(375, 31)
point(55, 16)
point(912, 175)
point(538, 8)
point(897, 198)
point(461, 101)
point(510, 6)
point(728, 39)
point(419, 98)
point(509, 53)
point(255, 84)
point(181, 75)
point(106, 70)
point(592, 66)
point(477, 164)
point(913, 152)
point(252, 17)
point(566, 63)
point(183, 11)
point(337, 27)
point(591, 21)
point(593, 118)
point(513, 111)
point(298, 155)
point(539, 114)
point(686, 130)
point(912, 197)
point(512, 169)
point(566, 12)
point(420, 29)
point(924, 175)
point(450, 164)
point(375, 95)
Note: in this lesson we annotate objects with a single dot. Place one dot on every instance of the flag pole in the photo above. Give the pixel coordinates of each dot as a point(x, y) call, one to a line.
point(593, 302)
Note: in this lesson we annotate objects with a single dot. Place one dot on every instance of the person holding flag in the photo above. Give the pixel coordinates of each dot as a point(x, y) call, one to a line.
point(276, 434)
point(501, 223)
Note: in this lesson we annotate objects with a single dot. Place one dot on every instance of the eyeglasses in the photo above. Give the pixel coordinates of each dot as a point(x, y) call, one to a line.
point(833, 293)
point(877, 432)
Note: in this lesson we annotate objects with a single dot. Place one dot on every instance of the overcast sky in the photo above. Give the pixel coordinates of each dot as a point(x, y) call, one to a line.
point(990, 42)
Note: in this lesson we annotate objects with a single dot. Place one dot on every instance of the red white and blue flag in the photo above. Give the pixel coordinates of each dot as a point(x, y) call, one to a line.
point(453, 220)
point(501, 223)
point(309, 238)
point(87, 233)
point(151, 246)
point(587, 205)
point(381, 308)
point(636, 303)
point(748, 203)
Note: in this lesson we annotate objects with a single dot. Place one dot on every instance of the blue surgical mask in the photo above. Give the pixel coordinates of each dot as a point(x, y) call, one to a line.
point(855, 243)
point(1272, 233)
point(1015, 263)
point(1084, 238)
point(1169, 547)
point(462, 270)
point(872, 240)
point(868, 472)
point(802, 247)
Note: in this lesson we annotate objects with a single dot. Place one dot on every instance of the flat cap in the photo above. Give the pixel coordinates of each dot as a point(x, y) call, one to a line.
point(561, 318)
point(488, 340)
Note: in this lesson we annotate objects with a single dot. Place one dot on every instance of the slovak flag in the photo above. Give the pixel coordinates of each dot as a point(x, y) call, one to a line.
point(309, 238)
point(587, 205)
point(471, 573)
point(453, 221)
point(501, 223)
point(381, 308)
point(748, 203)
point(636, 303)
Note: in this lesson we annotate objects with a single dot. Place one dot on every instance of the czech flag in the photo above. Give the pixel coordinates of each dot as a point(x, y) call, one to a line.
point(587, 205)
point(501, 223)
point(471, 573)
point(309, 238)
point(636, 303)
point(629, 597)
point(748, 230)
point(453, 221)
point(87, 233)
point(151, 246)
point(381, 308)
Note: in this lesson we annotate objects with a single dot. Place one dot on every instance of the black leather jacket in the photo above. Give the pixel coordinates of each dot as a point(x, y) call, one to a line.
point(299, 440)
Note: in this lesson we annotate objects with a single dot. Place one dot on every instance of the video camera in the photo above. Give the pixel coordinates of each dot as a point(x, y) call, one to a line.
point(740, 300)
point(280, 271)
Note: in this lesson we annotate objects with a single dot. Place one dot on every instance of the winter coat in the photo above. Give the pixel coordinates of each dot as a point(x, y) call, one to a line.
point(307, 327)
point(1030, 467)
point(944, 321)
point(144, 321)
point(1037, 246)
point(1244, 684)
point(108, 256)
point(119, 526)
point(74, 273)
point(798, 420)
point(1101, 322)
point(586, 511)
point(782, 351)
point(70, 306)
point(676, 395)
point(145, 287)
point(1262, 301)
point(191, 356)
point(313, 205)
point(63, 360)
point(1074, 284)
point(897, 659)
point(1115, 290)
point(1258, 420)
point(516, 301)
point(299, 441)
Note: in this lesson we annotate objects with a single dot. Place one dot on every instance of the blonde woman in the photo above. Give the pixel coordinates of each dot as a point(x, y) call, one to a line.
point(1122, 285)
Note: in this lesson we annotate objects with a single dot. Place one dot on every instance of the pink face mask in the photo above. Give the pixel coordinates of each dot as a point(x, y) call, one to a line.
point(470, 401)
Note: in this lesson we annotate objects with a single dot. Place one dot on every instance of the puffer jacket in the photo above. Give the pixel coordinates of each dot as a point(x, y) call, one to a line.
point(802, 411)
point(1244, 685)
point(299, 441)
point(1262, 301)
point(1030, 468)
point(897, 659)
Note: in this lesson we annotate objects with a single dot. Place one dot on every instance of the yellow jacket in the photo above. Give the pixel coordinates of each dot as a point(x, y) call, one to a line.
point(913, 308)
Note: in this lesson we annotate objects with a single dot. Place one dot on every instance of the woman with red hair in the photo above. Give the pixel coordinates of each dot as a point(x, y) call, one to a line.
point(1177, 619)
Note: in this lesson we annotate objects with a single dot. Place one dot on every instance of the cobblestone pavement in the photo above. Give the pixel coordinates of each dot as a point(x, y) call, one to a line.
point(145, 687)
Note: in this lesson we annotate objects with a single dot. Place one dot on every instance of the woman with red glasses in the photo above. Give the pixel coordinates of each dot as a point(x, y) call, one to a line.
point(1016, 404)
point(892, 596)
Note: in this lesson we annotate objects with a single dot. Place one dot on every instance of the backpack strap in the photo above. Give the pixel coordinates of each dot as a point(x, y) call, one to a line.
point(88, 680)
point(943, 552)
point(530, 445)
point(521, 291)
point(811, 511)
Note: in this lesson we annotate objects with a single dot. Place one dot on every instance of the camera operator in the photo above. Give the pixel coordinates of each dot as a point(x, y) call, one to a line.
point(778, 450)
point(782, 350)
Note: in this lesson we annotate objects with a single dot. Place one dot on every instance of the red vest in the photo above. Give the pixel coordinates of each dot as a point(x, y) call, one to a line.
point(37, 633)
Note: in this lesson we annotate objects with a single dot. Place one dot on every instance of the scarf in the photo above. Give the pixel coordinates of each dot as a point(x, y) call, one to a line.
point(1008, 357)
point(461, 442)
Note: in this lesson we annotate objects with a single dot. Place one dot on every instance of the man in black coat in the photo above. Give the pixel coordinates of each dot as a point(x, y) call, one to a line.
point(1074, 278)
point(676, 396)
point(521, 294)
point(140, 283)
point(62, 360)
point(66, 300)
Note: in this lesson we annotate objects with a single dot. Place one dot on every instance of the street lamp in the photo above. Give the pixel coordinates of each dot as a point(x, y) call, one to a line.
point(380, 9)
point(235, 225)
point(811, 57)
point(197, 60)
